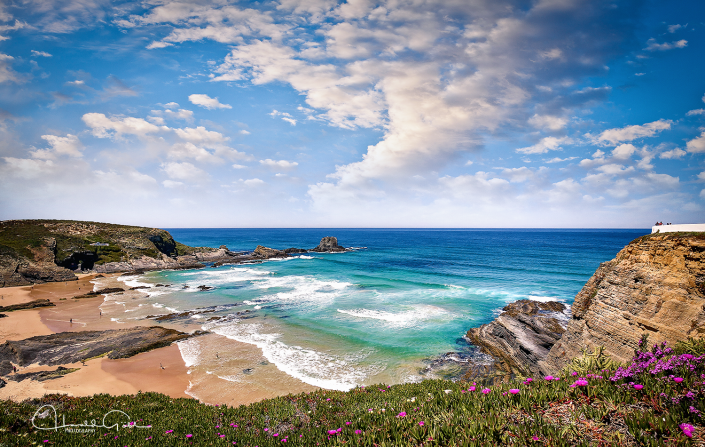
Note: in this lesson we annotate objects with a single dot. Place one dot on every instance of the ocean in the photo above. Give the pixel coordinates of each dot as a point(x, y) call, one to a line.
point(376, 314)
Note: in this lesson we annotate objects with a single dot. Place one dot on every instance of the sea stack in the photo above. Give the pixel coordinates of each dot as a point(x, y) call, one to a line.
point(328, 244)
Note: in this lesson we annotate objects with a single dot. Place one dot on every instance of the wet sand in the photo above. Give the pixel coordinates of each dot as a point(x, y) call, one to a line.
point(233, 373)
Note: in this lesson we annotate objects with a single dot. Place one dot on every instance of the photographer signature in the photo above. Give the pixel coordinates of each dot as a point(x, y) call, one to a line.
point(49, 409)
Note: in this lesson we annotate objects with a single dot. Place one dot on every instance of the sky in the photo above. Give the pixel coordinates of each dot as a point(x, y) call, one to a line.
point(320, 113)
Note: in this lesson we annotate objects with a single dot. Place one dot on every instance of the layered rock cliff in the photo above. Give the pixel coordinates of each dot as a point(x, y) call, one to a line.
point(654, 286)
point(521, 336)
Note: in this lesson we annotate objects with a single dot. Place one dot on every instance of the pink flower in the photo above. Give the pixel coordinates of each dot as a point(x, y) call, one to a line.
point(514, 391)
point(189, 435)
point(535, 438)
point(486, 391)
point(402, 414)
point(327, 399)
point(358, 432)
point(266, 429)
point(284, 440)
point(678, 379)
point(472, 388)
point(687, 430)
point(331, 432)
point(638, 387)
point(275, 434)
point(421, 423)
point(529, 380)
point(548, 378)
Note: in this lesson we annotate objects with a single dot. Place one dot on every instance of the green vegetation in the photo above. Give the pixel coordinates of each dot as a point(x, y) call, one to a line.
point(656, 400)
point(70, 241)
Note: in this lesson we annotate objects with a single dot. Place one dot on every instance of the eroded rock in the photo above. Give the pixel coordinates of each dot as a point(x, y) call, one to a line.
point(654, 286)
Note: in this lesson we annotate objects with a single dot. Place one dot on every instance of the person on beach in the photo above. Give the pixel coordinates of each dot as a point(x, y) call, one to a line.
point(71, 320)
point(161, 366)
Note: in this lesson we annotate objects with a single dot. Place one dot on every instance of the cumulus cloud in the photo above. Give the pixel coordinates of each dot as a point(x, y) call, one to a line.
point(623, 151)
point(183, 171)
point(36, 53)
point(201, 135)
point(630, 133)
point(546, 144)
point(69, 145)
point(697, 144)
point(285, 116)
point(207, 102)
point(695, 112)
point(104, 127)
point(548, 122)
point(672, 154)
point(279, 164)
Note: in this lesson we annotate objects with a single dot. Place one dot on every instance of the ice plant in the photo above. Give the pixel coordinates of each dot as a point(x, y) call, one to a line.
point(687, 429)
point(638, 387)
point(678, 379)
point(548, 378)
point(402, 414)
point(514, 391)
point(486, 391)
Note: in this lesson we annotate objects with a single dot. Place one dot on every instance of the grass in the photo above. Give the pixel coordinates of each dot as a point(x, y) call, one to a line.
point(642, 403)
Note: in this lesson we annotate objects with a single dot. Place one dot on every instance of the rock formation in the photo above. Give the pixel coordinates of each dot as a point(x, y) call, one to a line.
point(328, 244)
point(521, 336)
point(71, 347)
point(267, 253)
point(654, 286)
point(28, 305)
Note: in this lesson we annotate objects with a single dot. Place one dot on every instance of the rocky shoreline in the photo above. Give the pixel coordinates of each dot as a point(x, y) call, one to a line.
point(655, 286)
point(40, 251)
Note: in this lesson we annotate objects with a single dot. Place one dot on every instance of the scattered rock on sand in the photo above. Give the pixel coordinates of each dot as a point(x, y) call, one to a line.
point(28, 305)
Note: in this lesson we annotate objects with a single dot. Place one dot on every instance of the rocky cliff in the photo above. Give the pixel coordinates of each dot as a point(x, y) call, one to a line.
point(521, 336)
point(654, 286)
point(36, 251)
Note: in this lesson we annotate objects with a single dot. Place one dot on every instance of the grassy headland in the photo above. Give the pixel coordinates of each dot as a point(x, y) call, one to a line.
point(657, 399)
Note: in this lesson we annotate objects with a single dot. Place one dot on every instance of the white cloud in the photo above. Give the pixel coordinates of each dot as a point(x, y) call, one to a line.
point(40, 53)
point(623, 151)
point(696, 112)
point(252, 182)
point(673, 154)
point(236, 166)
point(104, 127)
point(612, 169)
point(697, 144)
point(201, 135)
point(172, 184)
point(548, 122)
point(26, 168)
point(280, 164)
point(630, 133)
point(183, 171)
point(546, 144)
point(243, 132)
point(207, 102)
point(171, 105)
point(673, 28)
point(7, 74)
point(558, 160)
point(69, 145)
point(701, 176)
point(652, 45)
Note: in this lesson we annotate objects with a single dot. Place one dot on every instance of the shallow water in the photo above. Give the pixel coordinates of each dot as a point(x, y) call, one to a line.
point(371, 315)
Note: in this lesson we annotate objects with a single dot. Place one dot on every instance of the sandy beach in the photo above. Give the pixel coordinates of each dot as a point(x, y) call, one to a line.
point(226, 379)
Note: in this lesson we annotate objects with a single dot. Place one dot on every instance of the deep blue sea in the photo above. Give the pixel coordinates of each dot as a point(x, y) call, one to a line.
point(376, 313)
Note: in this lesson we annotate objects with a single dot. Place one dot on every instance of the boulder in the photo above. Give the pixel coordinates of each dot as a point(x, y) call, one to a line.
point(267, 253)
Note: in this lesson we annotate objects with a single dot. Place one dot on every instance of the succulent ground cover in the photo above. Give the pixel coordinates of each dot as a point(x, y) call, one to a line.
point(657, 399)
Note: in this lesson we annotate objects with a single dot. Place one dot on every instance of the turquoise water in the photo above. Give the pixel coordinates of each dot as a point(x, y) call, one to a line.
point(374, 314)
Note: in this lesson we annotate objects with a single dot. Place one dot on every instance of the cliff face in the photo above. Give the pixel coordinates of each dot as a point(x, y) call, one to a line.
point(655, 286)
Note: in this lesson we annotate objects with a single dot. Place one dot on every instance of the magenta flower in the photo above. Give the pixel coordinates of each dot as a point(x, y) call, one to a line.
point(331, 432)
point(189, 435)
point(358, 432)
point(472, 388)
point(548, 378)
point(402, 414)
point(529, 380)
point(486, 391)
point(266, 429)
point(678, 379)
point(514, 391)
point(687, 430)
point(638, 387)
point(421, 423)
point(284, 440)
point(535, 438)
point(275, 435)
point(327, 399)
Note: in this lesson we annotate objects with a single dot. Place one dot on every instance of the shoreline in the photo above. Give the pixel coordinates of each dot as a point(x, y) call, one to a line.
point(162, 370)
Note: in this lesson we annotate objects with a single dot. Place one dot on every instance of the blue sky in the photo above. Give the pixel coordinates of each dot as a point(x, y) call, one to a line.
point(317, 113)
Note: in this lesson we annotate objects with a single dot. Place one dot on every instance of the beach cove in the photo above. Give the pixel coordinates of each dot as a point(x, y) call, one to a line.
point(330, 320)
